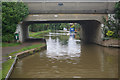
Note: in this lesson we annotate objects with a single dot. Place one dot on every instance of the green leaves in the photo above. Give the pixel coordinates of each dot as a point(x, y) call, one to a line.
point(12, 14)
point(117, 10)
point(112, 25)
point(110, 33)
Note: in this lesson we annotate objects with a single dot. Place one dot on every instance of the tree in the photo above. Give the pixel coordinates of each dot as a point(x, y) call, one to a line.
point(117, 11)
point(12, 14)
point(113, 23)
point(117, 17)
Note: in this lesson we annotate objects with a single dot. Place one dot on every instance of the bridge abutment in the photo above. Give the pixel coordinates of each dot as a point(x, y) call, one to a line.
point(91, 31)
point(22, 30)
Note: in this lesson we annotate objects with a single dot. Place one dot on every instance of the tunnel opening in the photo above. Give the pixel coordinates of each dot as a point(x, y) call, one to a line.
point(90, 30)
point(38, 31)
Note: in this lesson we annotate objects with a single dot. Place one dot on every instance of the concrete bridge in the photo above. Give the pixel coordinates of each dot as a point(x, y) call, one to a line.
point(88, 14)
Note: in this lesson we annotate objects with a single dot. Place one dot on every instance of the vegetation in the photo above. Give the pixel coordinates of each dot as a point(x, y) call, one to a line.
point(0, 24)
point(4, 44)
point(6, 67)
point(50, 26)
point(27, 48)
point(0, 73)
point(39, 30)
point(7, 64)
point(117, 11)
point(109, 33)
point(112, 25)
point(12, 14)
point(39, 34)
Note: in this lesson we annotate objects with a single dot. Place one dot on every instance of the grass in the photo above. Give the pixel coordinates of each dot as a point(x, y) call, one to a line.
point(39, 34)
point(0, 74)
point(27, 48)
point(6, 67)
point(4, 44)
point(7, 64)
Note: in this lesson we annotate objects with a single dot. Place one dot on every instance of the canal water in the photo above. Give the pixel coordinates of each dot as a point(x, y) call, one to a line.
point(67, 57)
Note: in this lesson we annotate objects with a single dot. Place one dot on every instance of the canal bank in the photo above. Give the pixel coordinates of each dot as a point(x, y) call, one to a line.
point(21, 52)
point(115, 43)
point(22, 55)
point(25, 49)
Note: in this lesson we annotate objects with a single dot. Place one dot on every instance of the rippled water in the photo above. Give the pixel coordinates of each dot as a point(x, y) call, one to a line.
point(67, 57)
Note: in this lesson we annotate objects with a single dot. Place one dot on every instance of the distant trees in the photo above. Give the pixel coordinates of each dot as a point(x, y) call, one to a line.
point(12, 14)
point(51, 26)
point(112, 25)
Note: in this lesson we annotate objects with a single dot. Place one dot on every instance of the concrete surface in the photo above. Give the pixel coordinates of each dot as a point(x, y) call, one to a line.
point(73, 6)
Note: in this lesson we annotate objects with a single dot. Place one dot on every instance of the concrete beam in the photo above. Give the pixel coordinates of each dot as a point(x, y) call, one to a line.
point(64, 17)
point(67, 7)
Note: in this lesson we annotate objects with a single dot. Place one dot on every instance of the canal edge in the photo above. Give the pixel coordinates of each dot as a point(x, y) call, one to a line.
point(18, 56)
point(11, 69)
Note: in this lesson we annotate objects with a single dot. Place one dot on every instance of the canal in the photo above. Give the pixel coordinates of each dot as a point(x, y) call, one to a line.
point(67, 57)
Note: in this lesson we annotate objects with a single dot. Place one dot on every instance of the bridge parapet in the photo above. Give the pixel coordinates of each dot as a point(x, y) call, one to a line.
point(75, 7)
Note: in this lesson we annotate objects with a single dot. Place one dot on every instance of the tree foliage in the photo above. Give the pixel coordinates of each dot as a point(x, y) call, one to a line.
point(113, 23)
point(12, 14)
point(51, 26)
point(117, 11)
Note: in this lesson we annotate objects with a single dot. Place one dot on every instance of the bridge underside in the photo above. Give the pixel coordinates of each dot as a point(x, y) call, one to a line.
point(64, 17)
point(90, 31)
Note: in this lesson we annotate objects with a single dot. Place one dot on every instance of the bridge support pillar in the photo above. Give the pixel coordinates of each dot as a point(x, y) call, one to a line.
point(22, 30)
point(91, 31)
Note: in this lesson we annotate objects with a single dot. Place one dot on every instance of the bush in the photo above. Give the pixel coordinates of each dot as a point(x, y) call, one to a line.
point(112, 25)
point(12, 14)
point(8, 38)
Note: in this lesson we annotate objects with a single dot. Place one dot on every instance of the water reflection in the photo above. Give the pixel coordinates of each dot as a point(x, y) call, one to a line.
point(58, 51)
point(66, 57)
